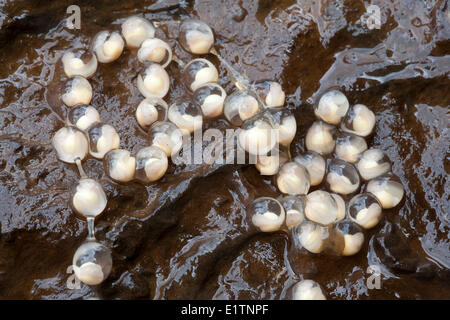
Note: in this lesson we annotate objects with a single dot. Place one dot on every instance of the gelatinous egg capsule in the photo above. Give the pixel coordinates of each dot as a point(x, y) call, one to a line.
point(120, 165)
point(151, 110)
point(78, 90)
point(151, 164)
point(320, 138)
point(349, 147)
point(373, 163)
point(199, 72)
point(342, 177)
point(269, 164)
point(196, 36)
point(332, 107)
point(102, 139)
point(153, 82)
point(108, 46)
point(284, 121)
point(307, 290)
point(293, 179)
point(135, 30)
point(342, 209)
point(155, 50)
point(315, 164)
point(88, 198)
point(79, 63)
point(359, 120)
point(311, 236)
point(266, 214)
point(365, 210)
point(167, 136)
point(186, 116)
point(321, 207)
point(83, 116)
point(70, 144)
point(257, 136)
point(294, 206)
point(387, 189)
point(352, 235)
point(210, 98)
point(240, 106)
point(92, 263)
point(271, 93)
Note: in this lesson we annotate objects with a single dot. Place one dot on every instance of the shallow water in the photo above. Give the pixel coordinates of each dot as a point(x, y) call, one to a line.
point(186, 236)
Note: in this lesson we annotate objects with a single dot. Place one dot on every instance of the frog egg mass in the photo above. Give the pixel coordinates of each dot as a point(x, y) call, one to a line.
point(320, 138)
point(166, 136)
point(83, 116)
point(92, 263)
point(78, 91)
point(196, 36)
point(135, 30)
point(155, 50)
point(151, 110)
point(349, 147)
point(151, 164)
point(373, 163)
point(153, 82)
point(321, 207)
point(359, 120)
point(70, 144)
point(210, 97)
point(186, 116)
point(266, 214)
point(79, 63)
point(387, 190)
point(89, 199)
point(120, 165)
point(342, 177)
point(102, 138)
point(307, 290)
point(332, 107)
point(293, 178)
point(199, 72)
point(108, 46)
point(365, 210)
point(315, 164)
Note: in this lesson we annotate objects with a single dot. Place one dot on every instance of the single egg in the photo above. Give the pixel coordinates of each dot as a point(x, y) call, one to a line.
point(151, 110)
point(342, 177)
point(210, 98)
point(365, 210)
point(284, 121)
point(332, 107)
point(387, 189)
point(307, 290)
point(155, 50)
point(166, 136)
point(186, 116)
point(240, 106)
point(271, 93)
point(352, 235)
point(359, 120)
point(196, 36)
point(88, 198)
point(269, 164)
point(108, 46)
point(92, 263)
point(321, 207)
point(320, 138)
point(199, 72)
point(315, 164)
point(83, 116)
point(151, 164)
point(153, 82)
point(266, 214)
point(311, 236)
point(79, 63)
point(78, 90)
point(349, 147)
point(294, 206)
point(70, 144)
point(120, 165)
point(373, 163)
point(136, 30)
point(293, 179)
point(102, 139)
point(257, 136)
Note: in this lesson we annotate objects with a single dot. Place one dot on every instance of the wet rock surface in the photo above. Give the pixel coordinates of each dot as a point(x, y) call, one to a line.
point(187, 236)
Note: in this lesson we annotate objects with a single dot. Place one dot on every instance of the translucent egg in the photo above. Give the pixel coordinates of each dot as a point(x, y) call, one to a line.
point(284, 121)
point(196, 36)
point(151, 164)
point(359, 120)
point(365, 210)
point(102, 139)
point(199, 72)
point(153, 82)
point(342, 209)
point(186, 116)
point(271, 92)
point(342, 177)
point(387, 189)
point(257, 136)
point(70, 144)
point(83, 116)
point(88, 198)
point(266, 214)
point(315, 164)
point(108, 46)
point(92, 263)
point(78, 90)
point(155, 50)
point(269, 164)
point(320, 138)
point(293, 179)
point(311, 236)
point(353, 237)
point(307, 290)
point(373, 163)
point(321, 207)
point(151, 110)
point(332, 107)
point(120, 165)
point(349, 147)
point(166, 136)
point(240, 106)
point(210, 98)
point(135, 30)
point(79, 63)
point(294, 206)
